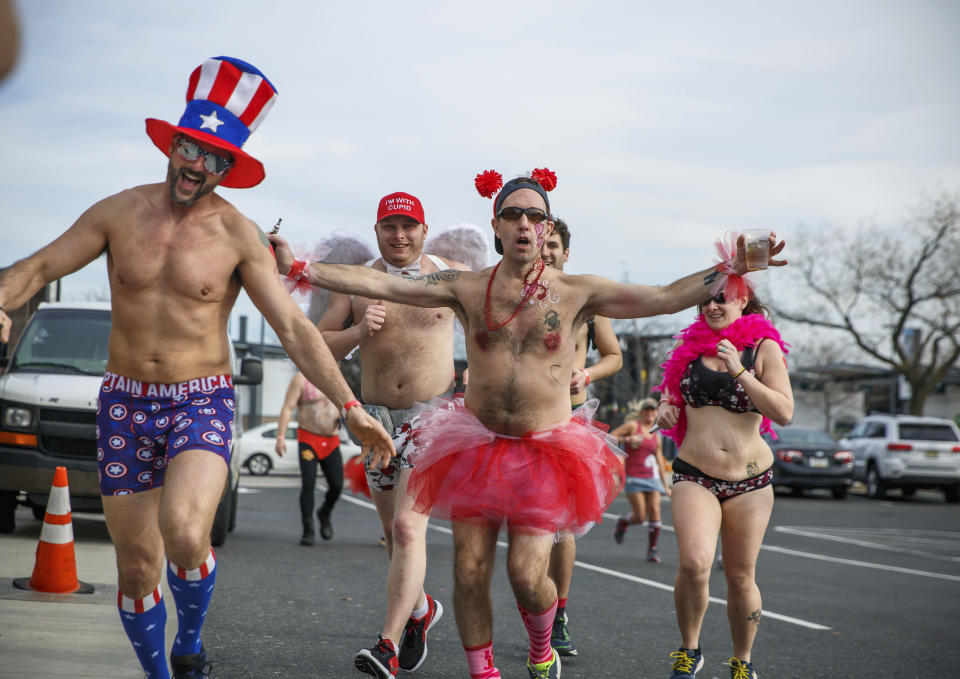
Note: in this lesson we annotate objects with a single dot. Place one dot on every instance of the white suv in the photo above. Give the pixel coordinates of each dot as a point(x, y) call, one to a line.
point(906, 452)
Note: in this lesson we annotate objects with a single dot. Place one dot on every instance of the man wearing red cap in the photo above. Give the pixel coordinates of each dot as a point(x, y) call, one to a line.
point(510, 452)
point(407, 357)
point(177, 256)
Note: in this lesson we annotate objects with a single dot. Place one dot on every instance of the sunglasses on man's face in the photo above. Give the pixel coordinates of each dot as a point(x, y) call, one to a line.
point(534, 214)
point(213, 163)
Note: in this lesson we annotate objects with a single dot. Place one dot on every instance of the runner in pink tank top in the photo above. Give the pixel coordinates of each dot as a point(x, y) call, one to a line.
point(645, 471)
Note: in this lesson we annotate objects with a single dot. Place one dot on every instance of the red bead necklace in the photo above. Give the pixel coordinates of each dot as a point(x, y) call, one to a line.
point(528, 290)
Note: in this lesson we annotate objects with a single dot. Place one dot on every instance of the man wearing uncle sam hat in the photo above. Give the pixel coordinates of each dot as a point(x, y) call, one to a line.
point(177, 256)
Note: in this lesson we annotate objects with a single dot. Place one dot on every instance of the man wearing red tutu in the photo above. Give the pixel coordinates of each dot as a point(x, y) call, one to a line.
point(407, 357)
point(510, 452)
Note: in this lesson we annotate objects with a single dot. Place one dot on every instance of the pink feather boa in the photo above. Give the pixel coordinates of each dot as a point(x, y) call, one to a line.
point(698, 339)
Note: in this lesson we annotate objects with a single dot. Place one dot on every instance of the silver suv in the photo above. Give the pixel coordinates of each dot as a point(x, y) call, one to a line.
point(906, 452)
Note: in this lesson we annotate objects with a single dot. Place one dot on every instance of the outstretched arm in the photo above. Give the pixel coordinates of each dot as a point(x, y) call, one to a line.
point(622, 300)
point(77, 246)
point(302, 341)
point(431, 290)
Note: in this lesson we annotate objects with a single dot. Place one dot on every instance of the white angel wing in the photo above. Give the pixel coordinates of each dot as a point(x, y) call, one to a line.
point(462, 242)
point(338, 248)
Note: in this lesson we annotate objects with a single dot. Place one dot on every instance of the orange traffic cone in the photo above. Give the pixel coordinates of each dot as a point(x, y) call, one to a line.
point(56, 567)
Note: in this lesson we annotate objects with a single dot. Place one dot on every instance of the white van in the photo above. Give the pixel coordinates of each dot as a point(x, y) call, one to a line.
point(48, 412)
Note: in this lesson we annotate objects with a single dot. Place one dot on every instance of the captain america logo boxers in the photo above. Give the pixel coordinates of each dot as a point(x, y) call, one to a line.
point(142, 426)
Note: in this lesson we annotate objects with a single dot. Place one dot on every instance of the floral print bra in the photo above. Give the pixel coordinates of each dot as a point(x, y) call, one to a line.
point(700, 386)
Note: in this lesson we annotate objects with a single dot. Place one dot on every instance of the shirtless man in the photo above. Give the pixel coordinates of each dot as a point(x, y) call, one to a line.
point(524, 460)
point(318, 441)
point(407, 357)
point(177, 256)
point(598, 330)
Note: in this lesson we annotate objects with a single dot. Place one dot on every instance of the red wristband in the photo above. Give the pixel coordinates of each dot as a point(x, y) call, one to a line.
point(347, 406)
point(296, 271)
point(298, 278)
point(587, 375)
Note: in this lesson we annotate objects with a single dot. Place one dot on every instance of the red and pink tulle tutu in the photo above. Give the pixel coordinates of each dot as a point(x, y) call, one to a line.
point(356, 476)
point(559, 479)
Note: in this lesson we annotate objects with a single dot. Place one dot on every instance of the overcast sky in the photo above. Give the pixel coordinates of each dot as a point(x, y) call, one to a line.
point(666, 123)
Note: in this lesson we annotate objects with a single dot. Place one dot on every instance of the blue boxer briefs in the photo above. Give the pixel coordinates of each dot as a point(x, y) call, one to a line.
point(142, 426)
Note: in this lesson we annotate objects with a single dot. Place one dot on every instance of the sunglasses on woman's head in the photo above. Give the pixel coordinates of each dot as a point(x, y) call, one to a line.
point(534, 214)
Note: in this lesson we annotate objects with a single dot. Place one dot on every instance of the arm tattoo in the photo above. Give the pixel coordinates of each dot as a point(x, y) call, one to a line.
point(434, 278)
point(552, 320)
point(754, 617)
point(752, 468)
point(711, 277)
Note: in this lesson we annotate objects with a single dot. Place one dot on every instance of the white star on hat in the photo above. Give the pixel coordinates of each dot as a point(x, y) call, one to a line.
point(211, 122)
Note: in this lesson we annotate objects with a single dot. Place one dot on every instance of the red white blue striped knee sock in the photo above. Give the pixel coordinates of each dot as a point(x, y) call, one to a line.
point(144, 620)
point(191, 591)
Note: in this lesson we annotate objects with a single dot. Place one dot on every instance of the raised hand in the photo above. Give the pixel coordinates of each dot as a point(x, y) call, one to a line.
point(281, 248)
point(374, 316)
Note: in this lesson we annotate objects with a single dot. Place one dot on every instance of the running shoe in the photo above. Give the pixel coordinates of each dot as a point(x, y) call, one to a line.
point(686, 663)
point(413, 648)
point(326, 526)
point(193, 666)
point(545, 670)
point(653, 556)
point(620, 529)
point(741, 670)
point(308, 538)
point(379, 661)
point(560, 636)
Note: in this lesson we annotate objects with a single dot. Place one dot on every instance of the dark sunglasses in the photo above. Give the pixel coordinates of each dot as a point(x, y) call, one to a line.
point(719, 299)
point(213, 163)
point(534, 214)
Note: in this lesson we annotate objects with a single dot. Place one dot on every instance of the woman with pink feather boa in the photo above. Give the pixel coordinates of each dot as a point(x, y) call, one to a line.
point(723, 384)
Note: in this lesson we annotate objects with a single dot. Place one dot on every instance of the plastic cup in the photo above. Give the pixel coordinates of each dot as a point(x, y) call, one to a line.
point(757, 243)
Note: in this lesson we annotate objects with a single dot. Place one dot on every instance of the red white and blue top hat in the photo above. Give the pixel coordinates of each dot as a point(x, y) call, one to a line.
point(226, 100)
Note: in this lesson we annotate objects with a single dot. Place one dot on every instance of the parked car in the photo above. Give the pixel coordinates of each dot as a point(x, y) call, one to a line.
point(48, 412)
point(806, 457)
point(906, 452)
point(258, 449)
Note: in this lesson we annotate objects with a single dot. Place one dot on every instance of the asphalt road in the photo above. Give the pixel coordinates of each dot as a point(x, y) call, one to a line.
point(852, 588)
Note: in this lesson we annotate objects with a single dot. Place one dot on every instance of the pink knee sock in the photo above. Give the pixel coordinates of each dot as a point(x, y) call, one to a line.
point(539, 626)
point(480, 662)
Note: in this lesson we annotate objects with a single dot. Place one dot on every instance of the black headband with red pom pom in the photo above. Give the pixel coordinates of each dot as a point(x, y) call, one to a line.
point(490, 182)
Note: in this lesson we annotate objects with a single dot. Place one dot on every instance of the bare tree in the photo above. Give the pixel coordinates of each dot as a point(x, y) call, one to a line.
point(894, 291)
point(816, 383)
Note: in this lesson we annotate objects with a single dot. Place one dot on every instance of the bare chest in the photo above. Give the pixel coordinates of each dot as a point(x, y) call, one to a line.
point(199, 264)
point(407, 321)
point(539, 327)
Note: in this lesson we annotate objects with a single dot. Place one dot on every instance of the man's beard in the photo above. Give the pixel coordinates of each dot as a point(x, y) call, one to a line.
point(198, 193)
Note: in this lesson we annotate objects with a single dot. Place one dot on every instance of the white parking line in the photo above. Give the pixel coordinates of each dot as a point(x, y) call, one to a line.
point(625, 576)
point(853, 536)
point(846, 562)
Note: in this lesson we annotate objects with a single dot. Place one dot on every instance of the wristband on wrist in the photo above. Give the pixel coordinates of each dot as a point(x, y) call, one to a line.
point(298, 278)
point(296, 271)
point(740, 373)
point(587, 376)
point(347, 406)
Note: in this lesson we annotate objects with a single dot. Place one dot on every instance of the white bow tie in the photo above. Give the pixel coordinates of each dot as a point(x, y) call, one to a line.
point(409, 270)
